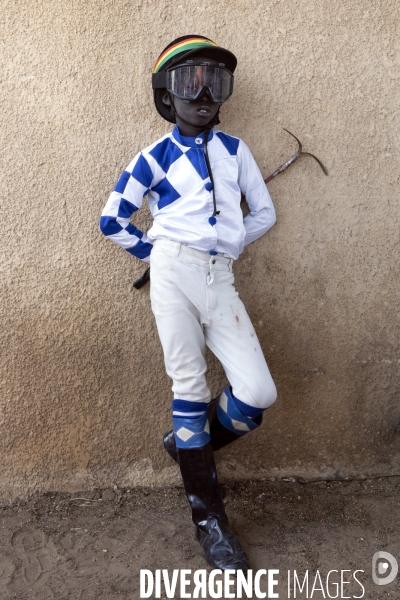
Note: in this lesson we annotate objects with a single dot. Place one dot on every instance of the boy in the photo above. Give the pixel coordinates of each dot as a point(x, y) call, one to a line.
point(194, 177)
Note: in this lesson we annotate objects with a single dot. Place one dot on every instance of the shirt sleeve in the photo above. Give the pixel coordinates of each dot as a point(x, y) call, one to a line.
point(126, 198)
point(262, 212)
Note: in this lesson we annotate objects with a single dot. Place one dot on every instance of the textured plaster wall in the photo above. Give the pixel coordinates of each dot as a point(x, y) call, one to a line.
point(84, 398)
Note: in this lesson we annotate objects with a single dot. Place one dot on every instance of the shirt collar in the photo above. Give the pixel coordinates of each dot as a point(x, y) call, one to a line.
point(190, 141)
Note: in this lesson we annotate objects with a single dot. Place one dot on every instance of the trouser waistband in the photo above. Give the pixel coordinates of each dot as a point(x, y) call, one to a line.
point(177, 249)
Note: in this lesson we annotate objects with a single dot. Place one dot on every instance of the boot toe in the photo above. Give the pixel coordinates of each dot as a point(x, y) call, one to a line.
point(221, 548)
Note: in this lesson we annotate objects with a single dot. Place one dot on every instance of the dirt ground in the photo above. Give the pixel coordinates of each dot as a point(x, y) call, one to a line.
point(92, 545)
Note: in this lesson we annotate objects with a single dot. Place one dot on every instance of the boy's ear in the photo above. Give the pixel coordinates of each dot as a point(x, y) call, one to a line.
point(164, 105)
point(166, 98)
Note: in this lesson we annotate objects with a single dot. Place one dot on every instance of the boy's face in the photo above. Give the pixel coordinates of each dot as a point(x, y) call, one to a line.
point(193, 116)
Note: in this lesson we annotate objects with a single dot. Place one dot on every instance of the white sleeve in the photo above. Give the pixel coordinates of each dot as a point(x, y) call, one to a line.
point(262, 212)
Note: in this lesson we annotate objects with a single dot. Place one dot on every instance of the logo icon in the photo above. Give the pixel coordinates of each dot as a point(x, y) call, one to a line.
point(381, 561)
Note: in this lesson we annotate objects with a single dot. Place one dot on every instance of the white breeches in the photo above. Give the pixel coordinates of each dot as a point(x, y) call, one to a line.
point(195, 303)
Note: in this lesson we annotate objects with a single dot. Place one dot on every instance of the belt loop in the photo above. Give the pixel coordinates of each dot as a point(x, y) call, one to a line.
point(176, 248)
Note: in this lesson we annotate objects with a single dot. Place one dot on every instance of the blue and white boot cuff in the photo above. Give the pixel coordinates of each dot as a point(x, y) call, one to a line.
point(231, 417)
point(191, 433)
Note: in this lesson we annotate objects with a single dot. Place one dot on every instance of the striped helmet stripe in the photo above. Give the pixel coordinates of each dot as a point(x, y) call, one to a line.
point(189, 44)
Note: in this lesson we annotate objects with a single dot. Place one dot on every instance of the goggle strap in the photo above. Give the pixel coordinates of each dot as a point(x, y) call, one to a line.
point(159, 80)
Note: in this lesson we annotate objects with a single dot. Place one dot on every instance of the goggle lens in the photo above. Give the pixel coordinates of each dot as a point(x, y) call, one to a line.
point(187, 82)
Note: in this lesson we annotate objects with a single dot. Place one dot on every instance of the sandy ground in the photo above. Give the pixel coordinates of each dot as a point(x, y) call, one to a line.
point(92, 545)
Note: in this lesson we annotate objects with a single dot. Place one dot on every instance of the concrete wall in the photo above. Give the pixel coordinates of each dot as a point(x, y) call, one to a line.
point(83, 396)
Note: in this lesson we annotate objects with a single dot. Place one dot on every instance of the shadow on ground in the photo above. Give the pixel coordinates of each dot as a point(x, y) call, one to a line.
point(92, 545)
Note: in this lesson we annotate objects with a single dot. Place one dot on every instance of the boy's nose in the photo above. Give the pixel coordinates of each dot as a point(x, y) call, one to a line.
point(205, 95)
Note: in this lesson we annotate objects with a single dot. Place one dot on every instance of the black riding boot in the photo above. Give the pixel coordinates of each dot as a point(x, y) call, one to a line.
point(199, 475)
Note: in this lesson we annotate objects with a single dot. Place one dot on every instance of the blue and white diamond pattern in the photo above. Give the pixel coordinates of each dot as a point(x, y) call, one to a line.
point(173, 174)
point(231, 417)
point(185, 185)
point(186, 434)
point(191, 433)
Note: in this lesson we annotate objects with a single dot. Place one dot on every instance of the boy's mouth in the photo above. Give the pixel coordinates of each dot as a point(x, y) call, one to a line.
point(204, 110)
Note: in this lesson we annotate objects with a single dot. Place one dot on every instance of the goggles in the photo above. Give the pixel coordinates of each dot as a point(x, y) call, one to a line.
point(189, 80)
